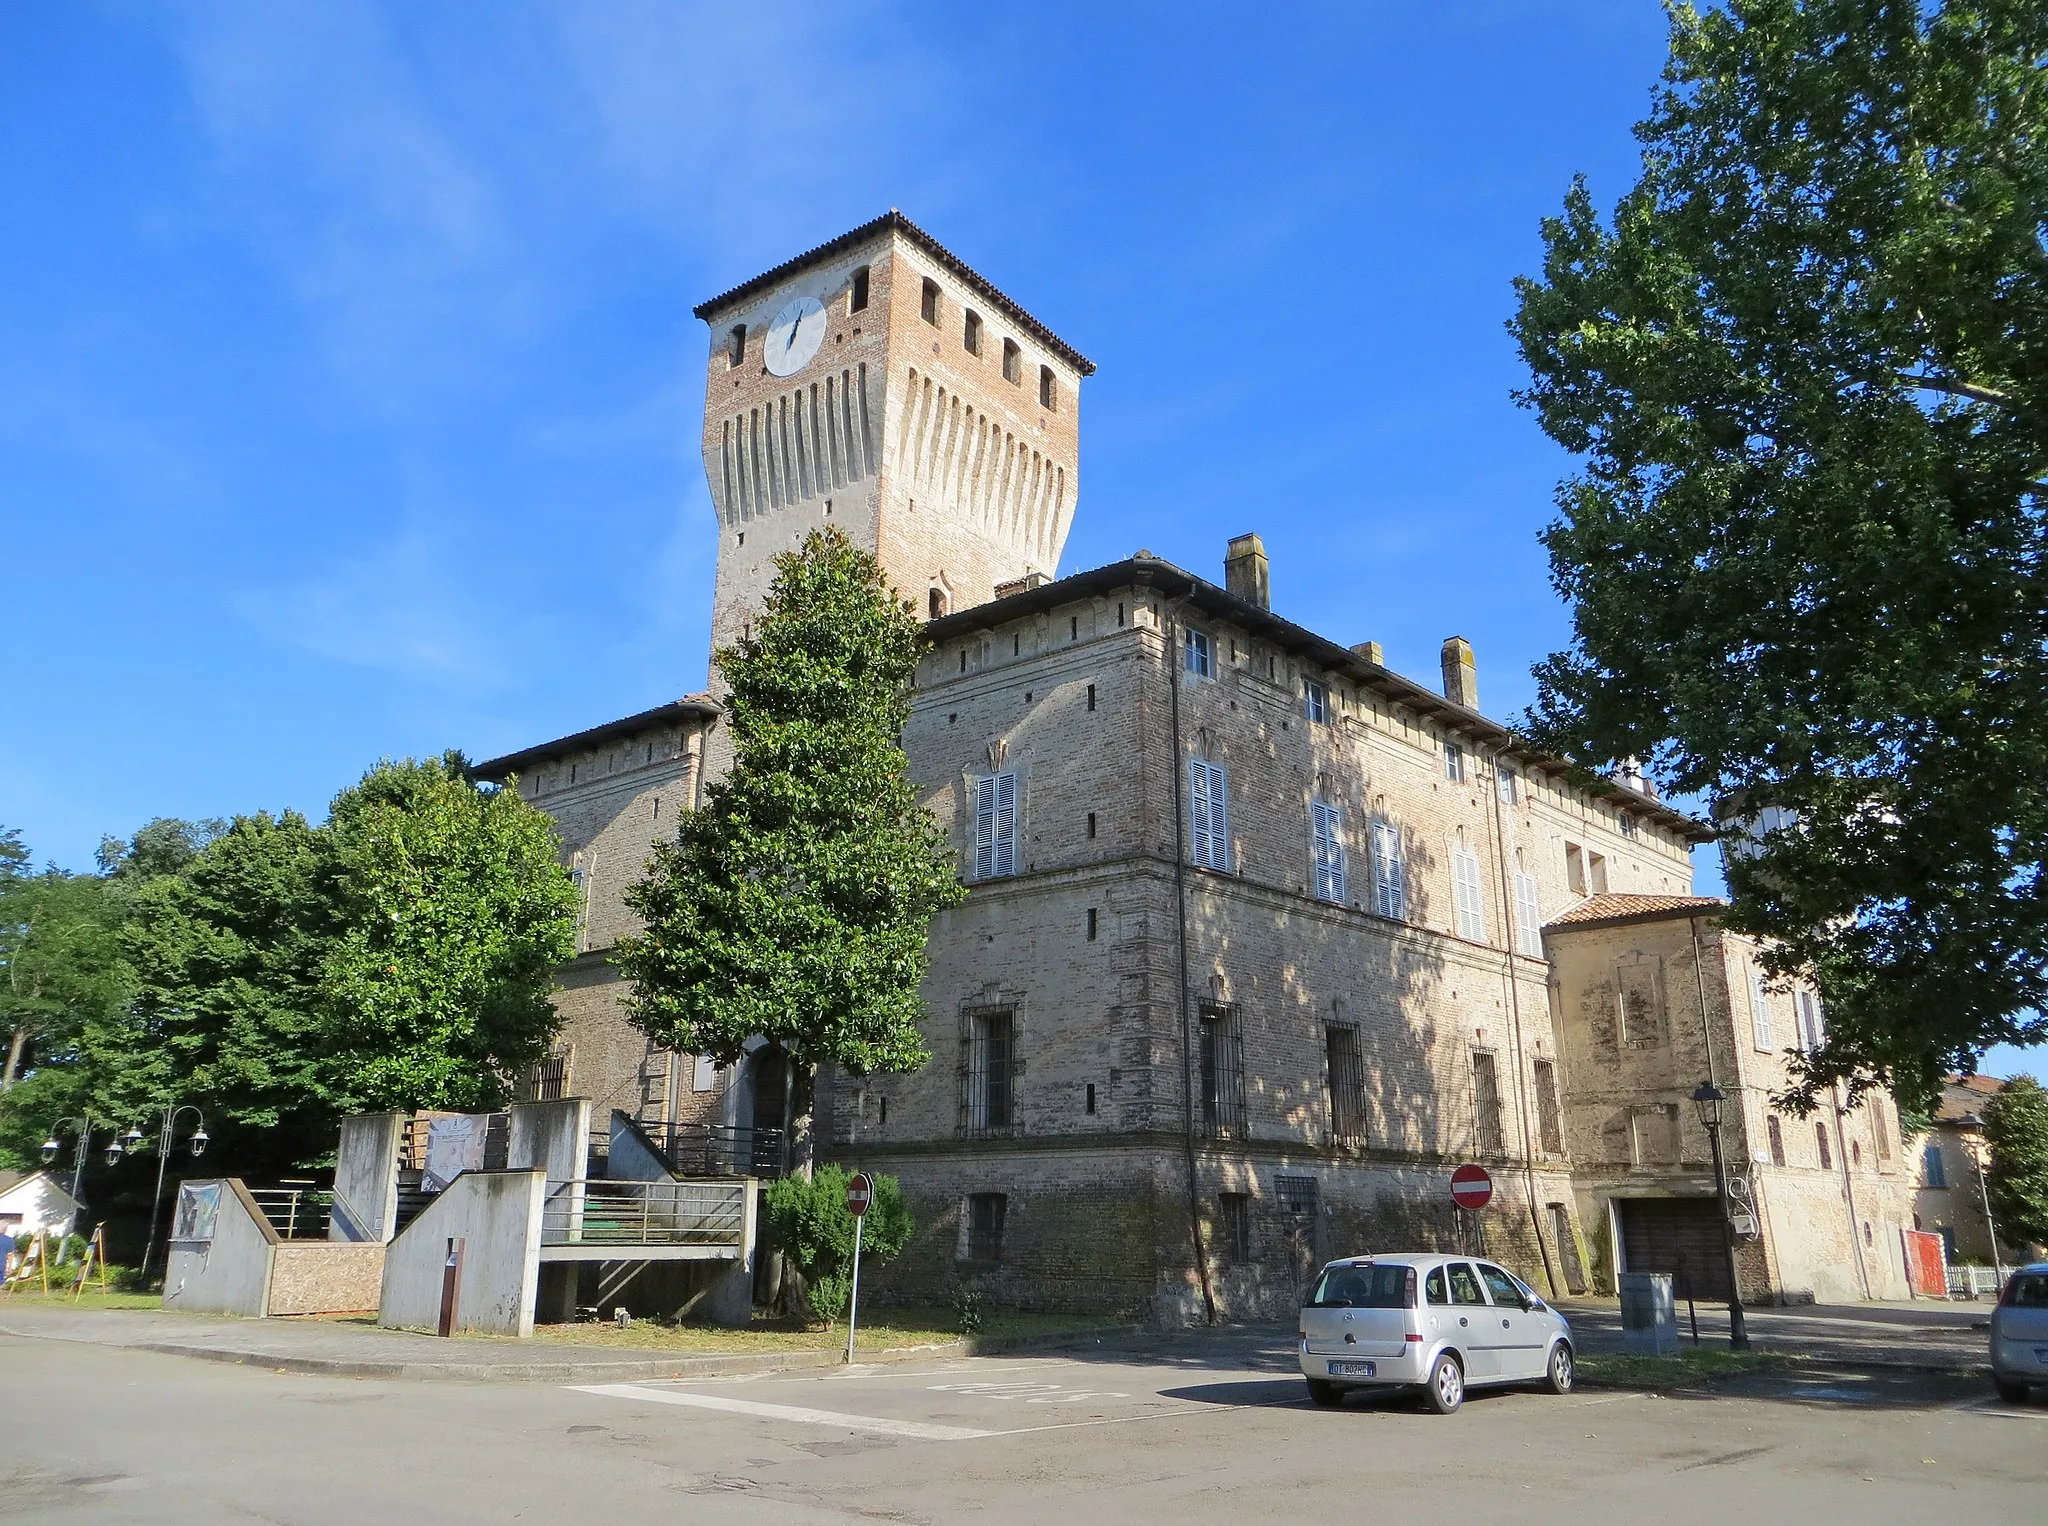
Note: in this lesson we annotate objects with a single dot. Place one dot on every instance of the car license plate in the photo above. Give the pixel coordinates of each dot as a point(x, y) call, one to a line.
point(1350, 1369)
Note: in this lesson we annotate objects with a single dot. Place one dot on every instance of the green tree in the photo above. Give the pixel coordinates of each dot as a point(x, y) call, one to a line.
point(807, 1219)
point(795, 904)
point(454, 910)
point(60, 962)
point(2016, 1128)
point(1806, 367)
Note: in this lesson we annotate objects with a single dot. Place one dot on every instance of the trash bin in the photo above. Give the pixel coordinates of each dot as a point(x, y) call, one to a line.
point(1649, 1321)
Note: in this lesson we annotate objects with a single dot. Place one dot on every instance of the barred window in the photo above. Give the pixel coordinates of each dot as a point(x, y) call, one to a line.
point(1222, 1078)
point(1489, 1132)
point(549, 1080)
point(986, 1215)
point(1549, 1121)
point(1296, 1195)
point(1389, 872)
point(1347, 1085)
point(995, 826)
point(1234, 1227)
point(990, 1055)
point(1326, 832)
point(1210, 815)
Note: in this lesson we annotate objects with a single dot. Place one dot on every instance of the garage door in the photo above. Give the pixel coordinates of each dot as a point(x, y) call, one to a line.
point(1680, 1235)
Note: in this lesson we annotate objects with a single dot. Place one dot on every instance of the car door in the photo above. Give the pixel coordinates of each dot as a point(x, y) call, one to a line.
point(1472, 1322)
point(1520, 1332)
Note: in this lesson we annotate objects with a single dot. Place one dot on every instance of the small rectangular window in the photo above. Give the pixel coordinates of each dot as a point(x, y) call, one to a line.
point(986, 1213)
point(1222, 1072)
point(857, 298)
point(1389, 872)
point(1091, 696)
point(1775, 1132)
point(1347, 1085)
point(1073, 627)
point(1454, 762)
point(1549, 1120)
point(1935, 1169)
point(1091, 823)
point(1091, 924)
point(1091, 1097)
point(1507, 784)
point(1209, 813)
point(1489, 1130)
point(1760, 1013)
point(736, 346)
point(970, 332)
point(1575, 868)
point(1528, 917)
point(1315, 701)
point(1596, 873)
point(1467, 892)
point(1013, 362)
point(928, 304)
point(1630, 827)
point(1199, 654)
point(1883, 1132)
point(1048, 388)
point(1326, 845)
point(1820, 1140)
point(995, 826)
point(1234, 1227)
point(1296, 1195)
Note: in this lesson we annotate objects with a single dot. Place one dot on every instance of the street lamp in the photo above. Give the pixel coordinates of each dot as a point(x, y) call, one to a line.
point(1708, 1099)
point(197, 1144)
point(81, 1133)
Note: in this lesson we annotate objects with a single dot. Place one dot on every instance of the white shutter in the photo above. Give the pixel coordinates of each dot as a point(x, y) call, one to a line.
point(1528, 916)
point(1328, 833)
point(995, 826)
point(1389, 875)
point(1210, 815)
point(1759, 1012)
point(1465, 886)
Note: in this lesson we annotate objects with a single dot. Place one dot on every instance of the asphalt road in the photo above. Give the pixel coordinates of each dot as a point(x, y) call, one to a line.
point(94, 1434)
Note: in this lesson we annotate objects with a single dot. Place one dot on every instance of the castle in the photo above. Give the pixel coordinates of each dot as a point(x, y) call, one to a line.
point(1263, 938)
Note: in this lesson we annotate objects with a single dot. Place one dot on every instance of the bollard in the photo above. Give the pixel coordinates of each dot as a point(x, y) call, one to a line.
point(451, 1280)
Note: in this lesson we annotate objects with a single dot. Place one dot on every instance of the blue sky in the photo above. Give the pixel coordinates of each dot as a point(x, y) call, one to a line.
point(349, 392)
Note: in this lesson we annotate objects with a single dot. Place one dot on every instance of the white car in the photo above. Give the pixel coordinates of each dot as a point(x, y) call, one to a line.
point(2019, 1334)
point(1442, 1324)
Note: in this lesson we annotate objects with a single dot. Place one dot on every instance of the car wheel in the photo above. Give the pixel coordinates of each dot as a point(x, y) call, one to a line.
point(1328, 1395)
point(1559, 1376)
point(2011, 1392)
point(1445, 1389)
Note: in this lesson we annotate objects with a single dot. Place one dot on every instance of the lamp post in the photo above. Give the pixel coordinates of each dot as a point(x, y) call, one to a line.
point(81, 1132)
point(1708, 1099)
point(197, 1144)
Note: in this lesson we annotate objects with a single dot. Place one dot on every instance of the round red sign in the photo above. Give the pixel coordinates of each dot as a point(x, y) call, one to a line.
point(1471, 1187)
point(859, 1193)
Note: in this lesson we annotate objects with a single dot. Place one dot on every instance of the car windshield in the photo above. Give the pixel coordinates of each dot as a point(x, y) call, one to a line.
point(2027, 1290)
point(1364, 1287)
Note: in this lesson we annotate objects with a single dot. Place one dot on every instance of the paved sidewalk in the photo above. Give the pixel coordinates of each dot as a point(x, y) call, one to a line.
point(1944, 1337)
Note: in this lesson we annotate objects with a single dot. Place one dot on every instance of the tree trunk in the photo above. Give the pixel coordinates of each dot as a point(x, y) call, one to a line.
point(803, 1144)
point(14, 1049)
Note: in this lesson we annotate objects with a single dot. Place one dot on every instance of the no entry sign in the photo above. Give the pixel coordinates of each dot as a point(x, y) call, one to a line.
point(1471, 1187)
point(860, 1192)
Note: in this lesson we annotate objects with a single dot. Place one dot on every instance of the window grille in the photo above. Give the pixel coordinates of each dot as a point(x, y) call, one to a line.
point(1528, 916)
point(1296, 1195)
point(1489, 1133)
point(1759, 1012)
point(1222, 1078)
point(1210, 815)
point(1198, 654)
point(995, 826)
point(1454, 762)
point(1775, 1131)
point(1347, 1085)
point(1234, 1227)
point(550, 1079)
point(1389, 872)
point(991, 1071)
point(1471, 901)
point(1326, 828)
point(1315, 701)
point(986, 1215)
point(1549, 1121)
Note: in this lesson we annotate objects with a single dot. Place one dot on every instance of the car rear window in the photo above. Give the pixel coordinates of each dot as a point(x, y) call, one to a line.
point(1365, 1287)
point(2027, 1290)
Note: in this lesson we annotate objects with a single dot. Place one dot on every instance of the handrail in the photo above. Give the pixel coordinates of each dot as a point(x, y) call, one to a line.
point(600, 1212)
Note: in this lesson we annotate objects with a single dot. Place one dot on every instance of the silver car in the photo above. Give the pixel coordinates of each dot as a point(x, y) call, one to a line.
point(1442, 1324)
point(2019, 1334)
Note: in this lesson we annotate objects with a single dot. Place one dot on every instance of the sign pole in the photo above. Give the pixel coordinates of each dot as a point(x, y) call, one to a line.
point(853, 1299)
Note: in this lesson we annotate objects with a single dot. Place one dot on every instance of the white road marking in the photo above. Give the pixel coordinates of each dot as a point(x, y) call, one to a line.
point(798, 1413)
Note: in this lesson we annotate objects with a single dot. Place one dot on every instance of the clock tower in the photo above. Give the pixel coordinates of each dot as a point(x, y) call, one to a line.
point(880, 385)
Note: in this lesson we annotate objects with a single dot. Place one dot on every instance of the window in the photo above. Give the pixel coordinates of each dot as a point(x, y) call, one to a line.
point(1759, 1011)
point(1091, 696)
point(1048, 388)
point(1488, 1131)
point(1073, 627)
point(1326, 829)
point(1388, 1286)
point(1454, 762)
point(928, 306)
point(1222, 1057)
point(1506, 1294)
point(1820, 1139)
point(1549, 1122)
point(1575, 868)
point(936, 603)
point(1234, 1227)
point(1596, 873)
point(1528, 916)
point(1471, 903)
point(1347, 1085)
point(1091, 823)
point(736, 346)
point(970, 332)
point(1198, 654)
point(1091, 924)
point(1464, 1284)
point(995, 826)
point(1630, 827)
point(1389, 872)
point(1777, 1137)
point(991, 1065)
point(1506, 784)
point(1934, 1167)
point(857, 299)
point(549, 1081)
point(1210, 815)
point(986, 1212)
point(1315, 701)
point(1013, 363)
point(1090, 1102)
point(1884, 1134)
point(1296, 1195)
point(1806, 1012)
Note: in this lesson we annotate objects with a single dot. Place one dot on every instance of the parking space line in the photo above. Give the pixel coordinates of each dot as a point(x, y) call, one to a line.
point(801, 1415)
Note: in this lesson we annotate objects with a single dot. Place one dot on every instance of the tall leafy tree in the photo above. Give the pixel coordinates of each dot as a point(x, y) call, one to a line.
point(2016, 1128)
point(60, 962)
point(795, 904)
point(1805, 365)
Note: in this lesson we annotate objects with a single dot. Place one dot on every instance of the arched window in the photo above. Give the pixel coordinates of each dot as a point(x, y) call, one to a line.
point(937, 603)
point(1013, 362)
point(930, 305)
point(1048, 388)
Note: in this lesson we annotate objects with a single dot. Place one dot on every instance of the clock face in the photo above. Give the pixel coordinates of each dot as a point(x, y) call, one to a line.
point(794, 336)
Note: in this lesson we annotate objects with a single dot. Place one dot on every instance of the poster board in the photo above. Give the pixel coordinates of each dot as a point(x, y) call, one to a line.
point(455, 1144)
point(198, 1211)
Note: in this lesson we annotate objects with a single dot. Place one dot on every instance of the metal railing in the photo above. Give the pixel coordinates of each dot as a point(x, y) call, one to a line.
point(584, 1212)
point(296, 1212)
point(1971, 1281)
point(717, 1149)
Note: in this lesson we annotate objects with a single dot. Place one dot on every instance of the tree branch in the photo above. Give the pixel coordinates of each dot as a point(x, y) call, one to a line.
point(1955, 388)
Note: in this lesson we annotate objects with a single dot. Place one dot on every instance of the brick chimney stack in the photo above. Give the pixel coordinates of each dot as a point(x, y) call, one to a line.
point(1244, 570)
point(1461, 673)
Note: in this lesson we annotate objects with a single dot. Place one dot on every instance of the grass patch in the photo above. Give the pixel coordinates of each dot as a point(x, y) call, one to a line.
point(879, 1330)
point(92, 1298)
point(1694, 1364)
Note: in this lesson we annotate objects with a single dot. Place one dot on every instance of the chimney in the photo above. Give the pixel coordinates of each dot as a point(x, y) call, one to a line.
point(1244, 570)
point(1461, 673)
point(1370, 651)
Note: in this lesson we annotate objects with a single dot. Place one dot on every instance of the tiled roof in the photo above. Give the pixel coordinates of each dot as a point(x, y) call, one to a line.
point(1963, 1097)
point(676, 712)
point(931, 246)
point(1622, 908)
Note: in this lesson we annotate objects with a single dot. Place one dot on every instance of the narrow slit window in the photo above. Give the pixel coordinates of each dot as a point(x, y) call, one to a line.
point(1048, 388)
point(1091, 823)
point(1091, 924)
point(736, 346)
point(1091, 696)
point(928, 306)
point(970, 332)
point(1013, 362)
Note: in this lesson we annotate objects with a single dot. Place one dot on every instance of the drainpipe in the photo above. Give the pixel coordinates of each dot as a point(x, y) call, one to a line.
point(1180, 897)
point(1507, 908)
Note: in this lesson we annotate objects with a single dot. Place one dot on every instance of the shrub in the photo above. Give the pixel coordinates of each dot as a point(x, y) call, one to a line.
point(808, 1221)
